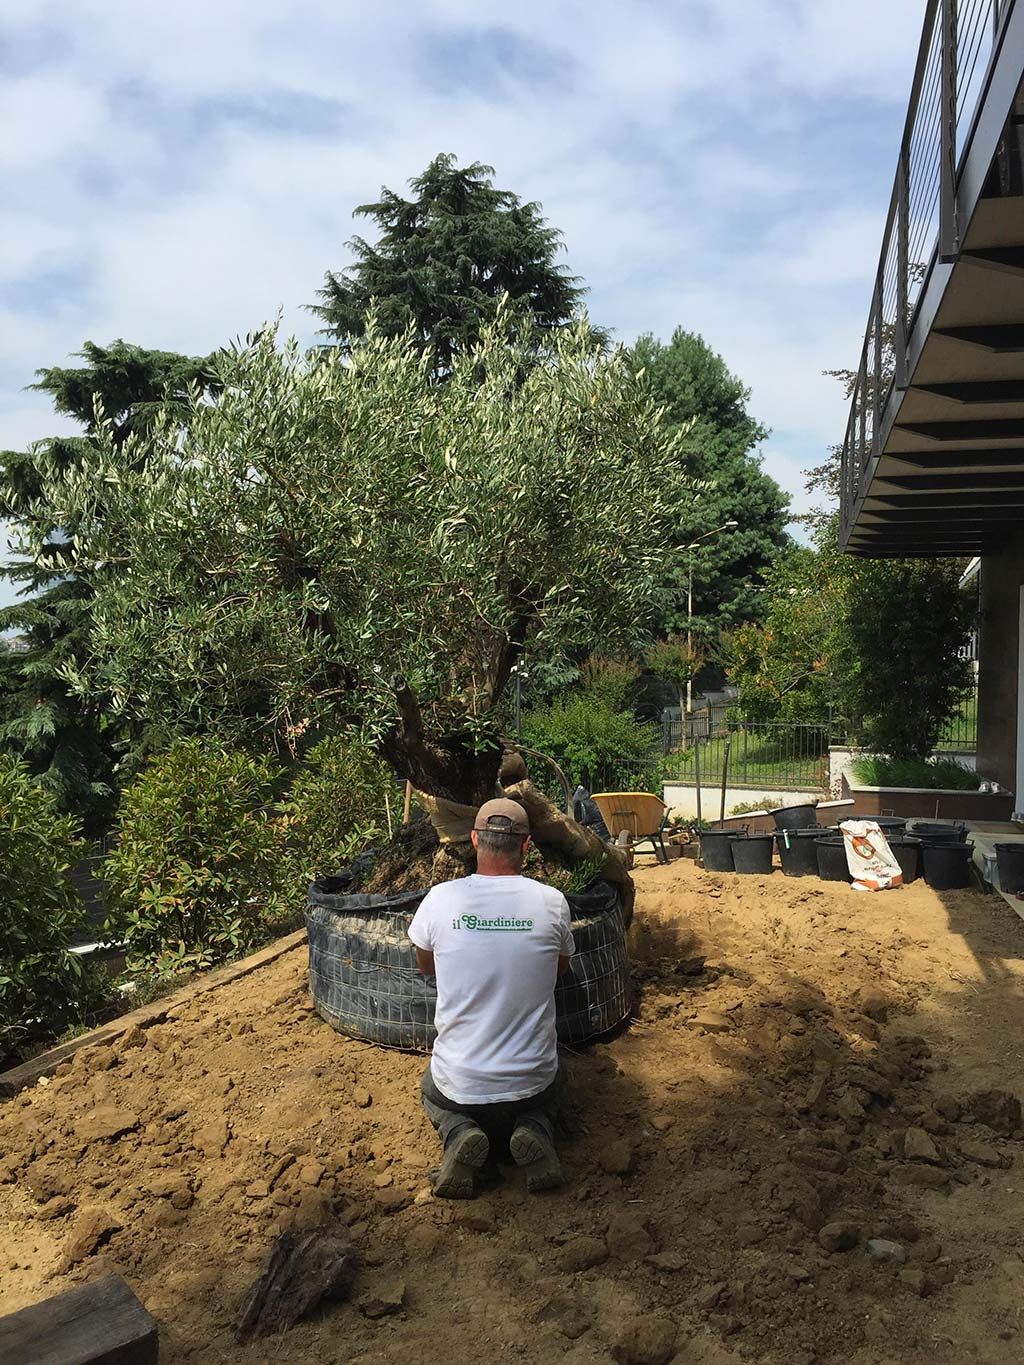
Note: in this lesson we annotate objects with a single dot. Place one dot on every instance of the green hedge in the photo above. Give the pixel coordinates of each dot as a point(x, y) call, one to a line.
point(41, 983)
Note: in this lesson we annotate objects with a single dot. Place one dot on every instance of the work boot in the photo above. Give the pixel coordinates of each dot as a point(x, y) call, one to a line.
point(532, 1149)
point(465, 1153)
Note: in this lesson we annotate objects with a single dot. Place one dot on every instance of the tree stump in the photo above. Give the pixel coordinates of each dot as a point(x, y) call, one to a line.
point(300, 1272)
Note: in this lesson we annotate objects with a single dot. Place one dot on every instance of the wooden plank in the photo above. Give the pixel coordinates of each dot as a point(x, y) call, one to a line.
point(102, 1323)
point(47, 1062)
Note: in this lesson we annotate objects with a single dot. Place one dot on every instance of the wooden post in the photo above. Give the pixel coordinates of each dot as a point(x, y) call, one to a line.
point(696, 770)
point(406, 809)
point(725, 775)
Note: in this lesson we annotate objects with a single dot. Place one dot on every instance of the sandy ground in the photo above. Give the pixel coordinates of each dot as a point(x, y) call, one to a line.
point(818, 1082)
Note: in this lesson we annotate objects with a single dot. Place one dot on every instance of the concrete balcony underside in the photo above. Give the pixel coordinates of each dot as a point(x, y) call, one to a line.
point(949, 477)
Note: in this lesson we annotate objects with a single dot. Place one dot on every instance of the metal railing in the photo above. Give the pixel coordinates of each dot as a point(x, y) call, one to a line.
point(959, 40)
point(763, 755)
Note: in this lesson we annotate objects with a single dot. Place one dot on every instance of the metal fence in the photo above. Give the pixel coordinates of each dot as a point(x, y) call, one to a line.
point(768, 755)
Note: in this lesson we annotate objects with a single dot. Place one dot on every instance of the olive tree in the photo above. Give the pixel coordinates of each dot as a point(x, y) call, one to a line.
point(326, 538)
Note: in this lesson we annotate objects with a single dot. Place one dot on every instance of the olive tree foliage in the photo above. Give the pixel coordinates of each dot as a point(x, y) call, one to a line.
point(326, 538)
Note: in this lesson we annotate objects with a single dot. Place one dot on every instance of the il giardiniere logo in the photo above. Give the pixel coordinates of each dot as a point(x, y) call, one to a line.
point(502, 924)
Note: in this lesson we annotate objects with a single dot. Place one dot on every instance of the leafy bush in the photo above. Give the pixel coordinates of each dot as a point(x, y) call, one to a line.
point(750, 807)
point(40, 980)
point(337, 805)
point(196, 867)
point(594, 742)
point(914, 772)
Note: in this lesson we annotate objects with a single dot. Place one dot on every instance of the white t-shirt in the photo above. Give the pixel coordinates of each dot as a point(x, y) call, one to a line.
point(496, 943)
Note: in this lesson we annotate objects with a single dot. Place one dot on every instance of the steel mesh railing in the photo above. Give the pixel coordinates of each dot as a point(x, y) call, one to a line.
point(957, 44)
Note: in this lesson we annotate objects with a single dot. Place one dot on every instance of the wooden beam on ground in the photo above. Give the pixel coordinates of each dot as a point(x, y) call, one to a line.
point(47, 1062)
point(102, 1323)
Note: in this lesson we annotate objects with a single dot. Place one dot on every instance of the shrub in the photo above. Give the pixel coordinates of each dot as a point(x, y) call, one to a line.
point(915, 772)
point(196, 867)
point(751, 807)
point(337, 805)
point(41, 982)
point(594, 742)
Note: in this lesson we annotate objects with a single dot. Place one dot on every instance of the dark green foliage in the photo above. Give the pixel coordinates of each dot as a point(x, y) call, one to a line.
point(594, 741)
point(195, 870)
point(443, 261)
point(915, 772)
point(41, 982)
point(874, 643)
point(694, 385)
point(68, 742)
point(899, 647)
point(336, 807)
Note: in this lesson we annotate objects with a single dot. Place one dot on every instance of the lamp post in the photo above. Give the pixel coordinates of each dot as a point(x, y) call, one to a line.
point(694, 545)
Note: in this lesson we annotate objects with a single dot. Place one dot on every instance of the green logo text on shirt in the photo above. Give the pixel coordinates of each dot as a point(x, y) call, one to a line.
point(492, 925)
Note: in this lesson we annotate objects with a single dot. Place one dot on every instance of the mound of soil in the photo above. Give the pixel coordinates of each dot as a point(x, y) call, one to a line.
point(803, 1150)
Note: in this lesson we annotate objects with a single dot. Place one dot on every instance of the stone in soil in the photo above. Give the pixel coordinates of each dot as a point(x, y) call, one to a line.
point(382, 1301)
point(361, 1097)
point(105, 1123)
point(881, 1249)
point(647, 1340)
point(918, 1146)
point(711, 1021)
point(996, 1109)
point(628, 1238)
point(619, 1157)
point(581, 1253)
point(93, 1225)
point(666, 1260)
point(839, 1236)
point(983, 1154)
point(566, 1315)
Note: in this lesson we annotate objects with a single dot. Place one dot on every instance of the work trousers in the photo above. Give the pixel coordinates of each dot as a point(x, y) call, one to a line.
point(498, 1120)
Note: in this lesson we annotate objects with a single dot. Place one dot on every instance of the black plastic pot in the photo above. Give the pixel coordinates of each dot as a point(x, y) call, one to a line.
point(832, 864)
point(752, 853)
point(797, 853)
point(896, 823)
point(929, 832)
point(795, 817)
point(1010, 861)
point(907, 853)
point(947, 867)
point(716, 848)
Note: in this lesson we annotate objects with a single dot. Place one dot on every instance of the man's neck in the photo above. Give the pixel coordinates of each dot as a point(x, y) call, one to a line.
point(490, 867)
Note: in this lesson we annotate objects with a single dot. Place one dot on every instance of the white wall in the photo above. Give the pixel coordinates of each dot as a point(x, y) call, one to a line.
point(683, 800)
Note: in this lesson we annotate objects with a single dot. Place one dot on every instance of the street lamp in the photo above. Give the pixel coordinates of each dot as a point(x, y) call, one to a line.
point(694, 545)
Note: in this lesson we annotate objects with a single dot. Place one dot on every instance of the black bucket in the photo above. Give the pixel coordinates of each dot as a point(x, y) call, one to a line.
point(1010, 861)
point(896, 823)
point(930, 832)
point(832, 864)
point(797, 853)
point(752, 853)
point(947, 867)
point(796, 817)
point(716, 848)
point(907, 853)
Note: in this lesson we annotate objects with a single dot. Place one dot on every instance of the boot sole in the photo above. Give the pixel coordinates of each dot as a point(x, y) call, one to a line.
point(540, 1165)
point(462, 1159)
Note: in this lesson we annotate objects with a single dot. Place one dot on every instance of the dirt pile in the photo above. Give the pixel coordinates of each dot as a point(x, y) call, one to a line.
point(803, 1150)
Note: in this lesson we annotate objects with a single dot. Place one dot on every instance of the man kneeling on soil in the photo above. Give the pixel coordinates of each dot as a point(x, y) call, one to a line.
point(496, 942)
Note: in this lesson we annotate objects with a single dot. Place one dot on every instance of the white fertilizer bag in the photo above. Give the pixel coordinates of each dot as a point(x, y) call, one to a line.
point(871, 861)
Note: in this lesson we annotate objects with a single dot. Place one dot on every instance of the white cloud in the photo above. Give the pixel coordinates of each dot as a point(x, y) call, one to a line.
point(176, 174)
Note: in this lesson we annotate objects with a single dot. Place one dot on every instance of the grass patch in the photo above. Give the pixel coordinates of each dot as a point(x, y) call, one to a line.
point(915, 772)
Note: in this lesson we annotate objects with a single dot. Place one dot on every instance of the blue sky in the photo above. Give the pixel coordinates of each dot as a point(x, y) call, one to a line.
point(174, 175)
